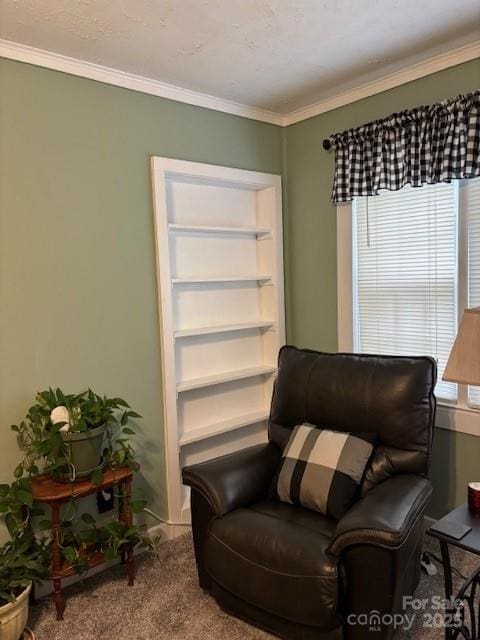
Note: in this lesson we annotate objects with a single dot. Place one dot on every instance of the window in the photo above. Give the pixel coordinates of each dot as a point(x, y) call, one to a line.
point(415, 265)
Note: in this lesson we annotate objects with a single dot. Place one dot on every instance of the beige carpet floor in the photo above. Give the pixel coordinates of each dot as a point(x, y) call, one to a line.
point(166, 604)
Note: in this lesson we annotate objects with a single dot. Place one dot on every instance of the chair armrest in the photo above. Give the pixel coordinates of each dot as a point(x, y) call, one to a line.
point(385, 515)
point(235, 480)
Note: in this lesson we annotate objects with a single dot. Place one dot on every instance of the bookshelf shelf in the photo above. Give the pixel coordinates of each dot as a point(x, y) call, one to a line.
point(221, 378)
point(219, 428)
point(221, 279)
point(242, 231)
point(241, 326)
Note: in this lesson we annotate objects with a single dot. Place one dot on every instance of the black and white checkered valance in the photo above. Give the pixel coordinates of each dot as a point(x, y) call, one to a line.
point(429, 144)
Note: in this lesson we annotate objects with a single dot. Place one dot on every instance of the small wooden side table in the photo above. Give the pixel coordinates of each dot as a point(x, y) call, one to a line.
point(46, 490)
point(468, 596)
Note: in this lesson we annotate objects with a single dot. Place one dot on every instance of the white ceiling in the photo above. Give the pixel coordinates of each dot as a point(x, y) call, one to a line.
point(279, 55)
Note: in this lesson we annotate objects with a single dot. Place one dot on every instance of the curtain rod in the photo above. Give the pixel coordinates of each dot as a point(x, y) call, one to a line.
point(327, 145)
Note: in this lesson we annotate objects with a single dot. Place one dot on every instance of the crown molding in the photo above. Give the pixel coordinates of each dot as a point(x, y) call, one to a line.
point(395, 79)
point(107, 75)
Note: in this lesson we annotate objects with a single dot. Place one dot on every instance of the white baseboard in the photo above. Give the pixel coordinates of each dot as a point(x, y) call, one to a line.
point(166, 531)
point(163, 533)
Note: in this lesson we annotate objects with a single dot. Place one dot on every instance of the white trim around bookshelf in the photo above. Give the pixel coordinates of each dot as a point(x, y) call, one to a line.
point(221, 306)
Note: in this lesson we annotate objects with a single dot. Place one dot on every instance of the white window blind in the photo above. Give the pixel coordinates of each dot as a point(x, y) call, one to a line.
point(405, 274)
point(470, 203)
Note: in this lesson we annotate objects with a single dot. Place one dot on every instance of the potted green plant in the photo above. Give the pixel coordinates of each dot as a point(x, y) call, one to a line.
point(23, 559)
point(74, 436)
point(47, 436)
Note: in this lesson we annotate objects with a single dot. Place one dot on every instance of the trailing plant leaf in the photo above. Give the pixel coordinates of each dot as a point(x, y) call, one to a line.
point(70, 554)
point(88, 519)
point(14, 505)
point(18, 473)
point(110, 554)
point(97, 477)
point(138, 505)
point(25, 497)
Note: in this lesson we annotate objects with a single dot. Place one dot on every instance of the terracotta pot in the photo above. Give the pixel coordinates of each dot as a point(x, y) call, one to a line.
point(13, 617)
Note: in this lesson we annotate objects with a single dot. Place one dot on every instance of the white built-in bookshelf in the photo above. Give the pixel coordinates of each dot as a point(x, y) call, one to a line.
point(220, 275)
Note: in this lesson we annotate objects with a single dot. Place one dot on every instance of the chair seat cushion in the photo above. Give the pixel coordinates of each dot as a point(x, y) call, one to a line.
point(273, 555)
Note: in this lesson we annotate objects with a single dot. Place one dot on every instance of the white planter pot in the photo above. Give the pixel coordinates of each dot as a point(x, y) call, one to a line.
point(13, 617)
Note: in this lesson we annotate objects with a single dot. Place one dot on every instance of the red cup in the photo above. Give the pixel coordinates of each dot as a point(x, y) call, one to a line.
point(474, 498)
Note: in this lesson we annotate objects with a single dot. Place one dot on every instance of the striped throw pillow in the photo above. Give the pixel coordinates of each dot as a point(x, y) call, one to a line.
point(322, 469)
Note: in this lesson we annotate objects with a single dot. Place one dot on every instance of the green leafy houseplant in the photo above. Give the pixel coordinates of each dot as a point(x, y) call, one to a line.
point(23, 560)
point(80, 538)
point(58, 424)
point(46, 437)
point(110, 539)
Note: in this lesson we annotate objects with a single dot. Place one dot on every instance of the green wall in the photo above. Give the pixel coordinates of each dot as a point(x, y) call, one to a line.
point(77, 256)
point(311, 246)
point(78, 298)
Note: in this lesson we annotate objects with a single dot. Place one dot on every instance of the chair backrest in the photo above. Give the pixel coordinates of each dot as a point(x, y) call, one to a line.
point(391, 396)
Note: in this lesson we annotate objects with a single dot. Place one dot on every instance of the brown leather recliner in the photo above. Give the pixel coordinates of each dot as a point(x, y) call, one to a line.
point(295, 572)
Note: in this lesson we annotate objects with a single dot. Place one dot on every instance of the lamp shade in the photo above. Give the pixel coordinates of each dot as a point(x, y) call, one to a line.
point(463, 364)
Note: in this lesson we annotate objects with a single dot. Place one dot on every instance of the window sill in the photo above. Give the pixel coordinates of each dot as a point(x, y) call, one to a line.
point(464, 419)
